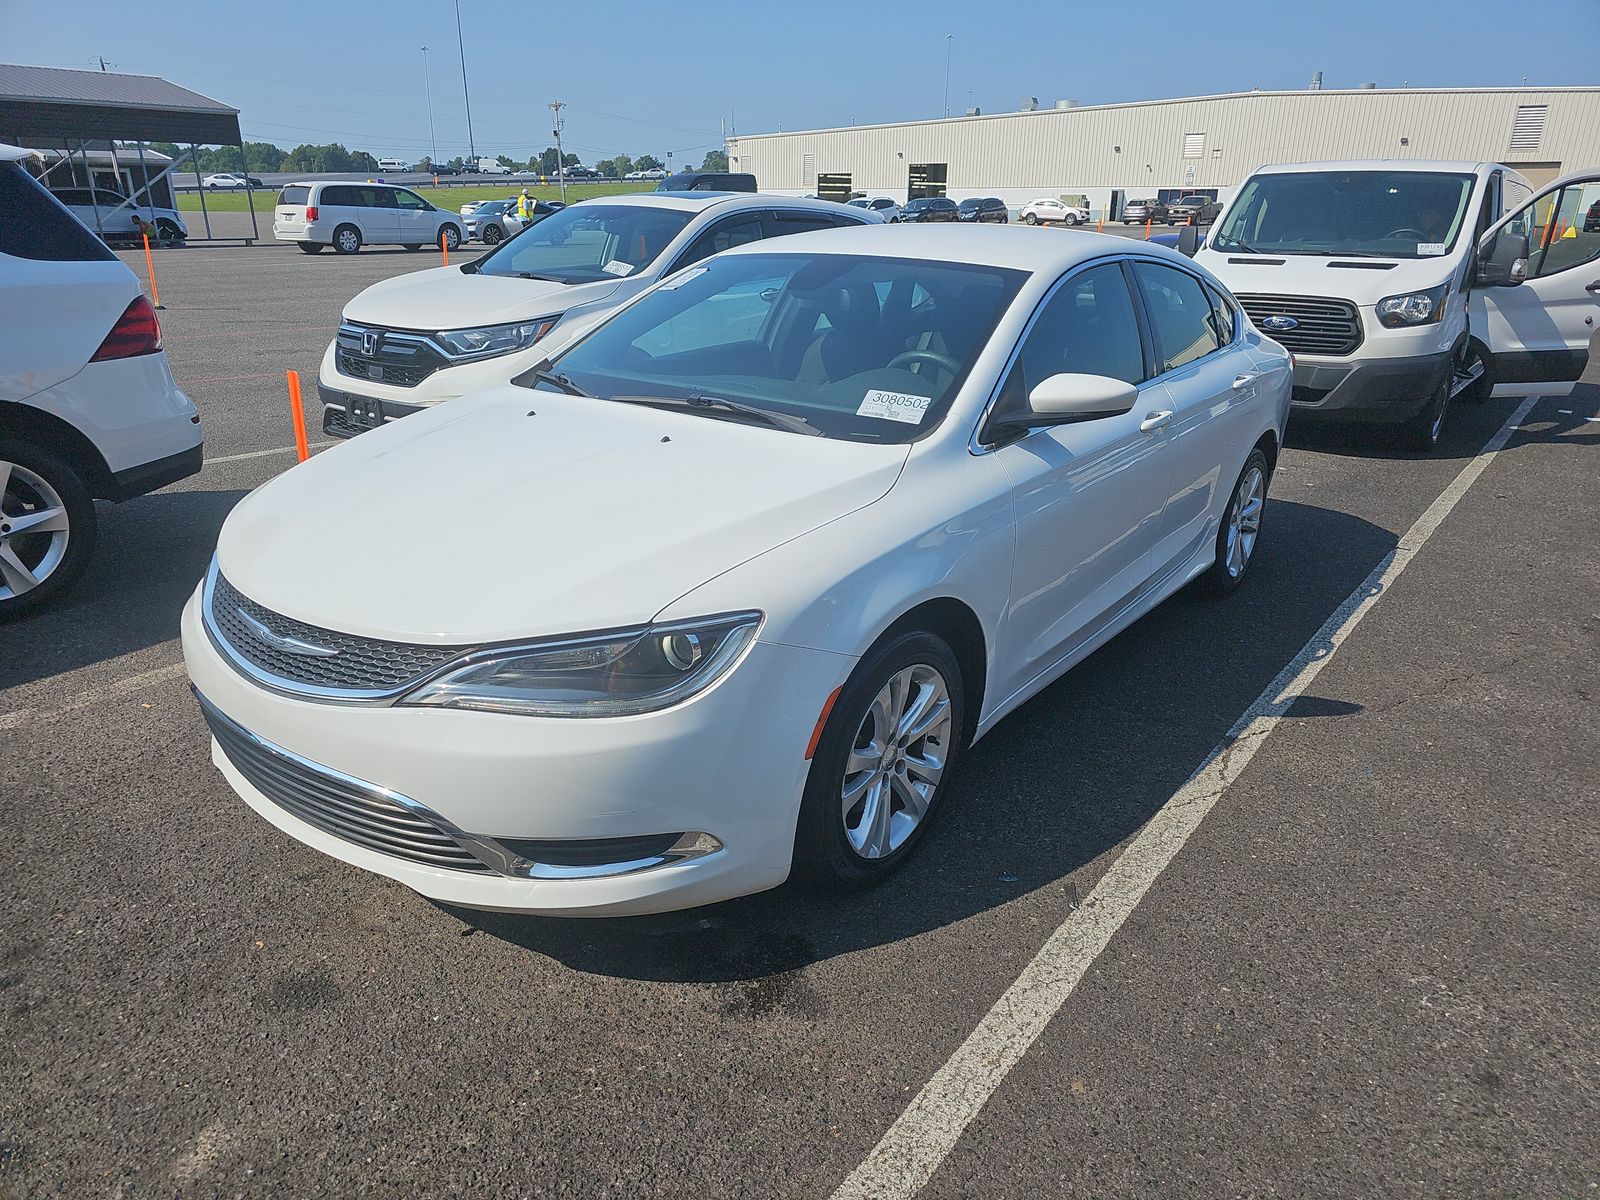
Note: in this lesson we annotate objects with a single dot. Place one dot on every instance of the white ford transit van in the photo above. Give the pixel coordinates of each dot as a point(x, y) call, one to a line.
point(1401, 285)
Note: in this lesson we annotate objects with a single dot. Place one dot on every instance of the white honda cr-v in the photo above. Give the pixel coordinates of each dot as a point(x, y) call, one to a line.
point(88, 406)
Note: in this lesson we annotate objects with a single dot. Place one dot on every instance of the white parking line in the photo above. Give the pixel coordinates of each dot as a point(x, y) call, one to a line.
point(914, 1146)
point(261, 453)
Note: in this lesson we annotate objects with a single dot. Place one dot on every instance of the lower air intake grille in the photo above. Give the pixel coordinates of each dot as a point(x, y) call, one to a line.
point(335, 803)
point(1323, 326)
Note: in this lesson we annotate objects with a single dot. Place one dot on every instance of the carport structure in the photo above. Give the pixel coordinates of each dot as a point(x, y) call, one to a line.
point(69, 115)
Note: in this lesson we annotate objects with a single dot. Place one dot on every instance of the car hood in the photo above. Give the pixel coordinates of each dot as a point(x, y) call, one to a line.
point(479, 521)
point(448, 298)
point(1362, 281)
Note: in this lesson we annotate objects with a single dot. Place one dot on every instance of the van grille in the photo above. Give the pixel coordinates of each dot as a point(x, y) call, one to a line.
point(336, 803)
point(1326, 326)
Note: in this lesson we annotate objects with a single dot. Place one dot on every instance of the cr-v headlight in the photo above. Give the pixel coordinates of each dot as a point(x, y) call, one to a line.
point(608, 675)
point(489, 340)
point(1414, 308)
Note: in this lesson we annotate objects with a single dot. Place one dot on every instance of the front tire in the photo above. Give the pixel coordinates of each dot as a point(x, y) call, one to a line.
point(882, 764)
point(1029, 219)
point(1072, 219)
point(168, 231)
point(1422, 432)
point(493, 235)
point(346, 239)
point(1241, 527)
point(1474, 354)
point(47, 527)
point(451, 236)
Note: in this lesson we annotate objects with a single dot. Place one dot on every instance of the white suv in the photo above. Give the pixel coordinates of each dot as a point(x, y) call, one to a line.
point(1048, 208)
point(348, 216)
point(417, 339)
point(111, 214)
point(88, 406)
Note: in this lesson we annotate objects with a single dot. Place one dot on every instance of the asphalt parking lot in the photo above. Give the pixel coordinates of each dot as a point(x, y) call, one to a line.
point(1369, 972)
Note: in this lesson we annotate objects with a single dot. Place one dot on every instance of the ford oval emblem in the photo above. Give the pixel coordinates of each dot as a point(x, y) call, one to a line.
point(1280, 324)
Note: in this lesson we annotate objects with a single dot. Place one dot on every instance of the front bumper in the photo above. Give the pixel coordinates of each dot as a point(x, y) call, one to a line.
point(729, 763)
point(333, 386)
point(1368, 390)
point(345, 414)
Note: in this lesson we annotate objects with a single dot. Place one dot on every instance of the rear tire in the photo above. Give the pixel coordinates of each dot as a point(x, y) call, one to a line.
point(310, 247)
point(1240, 529)
point(346, 239)
point(40, 554)
point(882, 764)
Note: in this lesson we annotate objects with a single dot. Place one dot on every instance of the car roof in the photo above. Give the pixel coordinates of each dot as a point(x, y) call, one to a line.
point(700, 201)
point(1457, 166)
point(10, 153)
point(1012, 246)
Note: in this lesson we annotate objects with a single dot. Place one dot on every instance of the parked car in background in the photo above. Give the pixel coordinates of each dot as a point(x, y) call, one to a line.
point(654, 173)
point(416, 340)
point(1591, 219)
point(1136, 212)
point(930, 208)
point(88, 406)
point(496, 220)
point(987, 209)
point(228, 181)
point(393, 164)
point(488, 167)
point(318, 213)
point(708, 181)
point(109, 213)
point(1050, 210)
point(443, 169)
point(581, 172)
point(883, 206)
point(1193, 210)
point(860, 496)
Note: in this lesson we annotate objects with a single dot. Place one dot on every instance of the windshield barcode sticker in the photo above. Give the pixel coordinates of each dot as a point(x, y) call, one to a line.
point(895, 406)
point(617, 267)
point(1430, 248)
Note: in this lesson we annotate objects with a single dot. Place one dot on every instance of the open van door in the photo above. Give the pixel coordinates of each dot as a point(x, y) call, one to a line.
point(1537, 320)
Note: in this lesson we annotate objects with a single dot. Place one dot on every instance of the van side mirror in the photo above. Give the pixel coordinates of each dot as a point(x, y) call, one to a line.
point(1067, 399)
point(1189, 240)
point(1506, 263)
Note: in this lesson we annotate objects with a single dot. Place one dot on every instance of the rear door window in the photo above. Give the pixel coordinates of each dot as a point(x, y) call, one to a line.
point(34, 225)
point(724, 234)
point(1180, 312)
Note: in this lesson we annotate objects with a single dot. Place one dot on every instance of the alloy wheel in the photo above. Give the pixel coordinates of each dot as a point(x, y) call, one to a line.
point(1244, 520)
point(894, 766)
point(34, 530)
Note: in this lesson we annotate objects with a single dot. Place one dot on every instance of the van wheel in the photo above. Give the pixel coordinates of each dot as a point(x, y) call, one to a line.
point(1474, 360)
point(346, 239)
point(1240, 529)
point(451, 237)
point(310, 247)
point(47, 527)
point(882, 764)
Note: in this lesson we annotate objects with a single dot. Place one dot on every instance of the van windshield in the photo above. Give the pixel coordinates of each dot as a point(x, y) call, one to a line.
point(588, 242)
point(1363, 214)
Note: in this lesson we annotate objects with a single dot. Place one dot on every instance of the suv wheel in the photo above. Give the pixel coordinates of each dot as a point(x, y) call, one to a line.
point(346, 239)
point(47, 526)
point(493, 235)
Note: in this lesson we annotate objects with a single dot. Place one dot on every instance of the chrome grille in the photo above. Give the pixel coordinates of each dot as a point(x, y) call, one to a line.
point(336, 803)
point(1327, 326)
point(363, 666)
point(386, 355)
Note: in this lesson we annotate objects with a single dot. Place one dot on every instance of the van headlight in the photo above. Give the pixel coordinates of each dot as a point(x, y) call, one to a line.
point(490, 340)
point(1414, 308)
point(608, 675)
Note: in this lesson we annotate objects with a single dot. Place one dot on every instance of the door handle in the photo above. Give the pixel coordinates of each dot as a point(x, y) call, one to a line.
point(1594, 288)
point(1154, 421)
point(1242, 382)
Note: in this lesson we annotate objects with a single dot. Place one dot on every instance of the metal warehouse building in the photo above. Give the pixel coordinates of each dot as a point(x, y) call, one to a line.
point(1109, 153)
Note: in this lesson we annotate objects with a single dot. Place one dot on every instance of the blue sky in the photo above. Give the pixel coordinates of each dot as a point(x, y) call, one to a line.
point(652, 77)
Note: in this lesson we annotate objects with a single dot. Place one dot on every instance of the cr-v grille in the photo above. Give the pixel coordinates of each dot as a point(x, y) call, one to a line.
point(1324, 326)
point(358, 664)
point(336, 803)
point(386, 356)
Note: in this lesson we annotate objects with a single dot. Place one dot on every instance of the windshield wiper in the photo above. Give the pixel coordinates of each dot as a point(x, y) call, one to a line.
point(540, 278)
point(1239, 247)
point(777, 420)
point(557, 380)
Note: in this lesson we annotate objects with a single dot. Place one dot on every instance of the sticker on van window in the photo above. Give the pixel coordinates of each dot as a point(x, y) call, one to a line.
point(617, 267)
point(1430, 248)
point(894, 406)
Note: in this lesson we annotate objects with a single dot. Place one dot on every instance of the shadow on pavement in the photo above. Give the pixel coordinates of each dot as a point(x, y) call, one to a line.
point(1054, 787)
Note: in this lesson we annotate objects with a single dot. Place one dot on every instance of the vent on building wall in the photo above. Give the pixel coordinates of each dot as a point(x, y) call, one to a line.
point(1528, 128)
point(1194, 145)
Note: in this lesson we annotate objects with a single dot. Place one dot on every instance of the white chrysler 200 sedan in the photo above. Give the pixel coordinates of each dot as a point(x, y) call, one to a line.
point(724, 588)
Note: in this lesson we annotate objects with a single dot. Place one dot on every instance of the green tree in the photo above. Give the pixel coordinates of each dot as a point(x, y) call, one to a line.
point(647, 162)
point(715, 160)
point(507, 162)
point(615, 168)
point(547, 161)
point(458, 163)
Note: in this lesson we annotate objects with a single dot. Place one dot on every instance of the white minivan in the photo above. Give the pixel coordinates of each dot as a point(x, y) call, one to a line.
point(348, 216)
point(88, 406)
point(1401, 285)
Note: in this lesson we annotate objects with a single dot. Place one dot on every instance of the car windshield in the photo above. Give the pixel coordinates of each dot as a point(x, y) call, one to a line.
point(969, 204)
point(867, 349)
point(1381, 214)
point(587, 242)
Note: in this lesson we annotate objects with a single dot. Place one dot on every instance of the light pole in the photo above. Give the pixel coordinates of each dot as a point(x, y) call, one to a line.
point(561, 162)
point(472, 149)
point(433, 142)
point(949, 40)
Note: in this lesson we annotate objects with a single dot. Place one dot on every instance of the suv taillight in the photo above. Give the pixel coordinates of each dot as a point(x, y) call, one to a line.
point(136, 332)
point(311, 213)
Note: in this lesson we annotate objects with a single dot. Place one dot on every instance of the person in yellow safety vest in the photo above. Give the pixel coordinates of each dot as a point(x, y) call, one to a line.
point(524, 205)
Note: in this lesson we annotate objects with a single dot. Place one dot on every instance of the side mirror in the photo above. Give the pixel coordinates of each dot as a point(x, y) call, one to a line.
point(1189, 240)
point(1506, 263)
point(1067, 399)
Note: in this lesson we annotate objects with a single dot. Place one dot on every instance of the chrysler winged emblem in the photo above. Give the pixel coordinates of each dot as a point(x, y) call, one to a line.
point(279, 641)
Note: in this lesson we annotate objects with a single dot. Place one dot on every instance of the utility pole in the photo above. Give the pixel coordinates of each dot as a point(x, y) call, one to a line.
point(949, 41)
point(433, 142)
point(561, 160)
point(472, 149)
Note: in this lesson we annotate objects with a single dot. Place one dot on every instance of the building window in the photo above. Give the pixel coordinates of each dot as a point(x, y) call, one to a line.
point(925, 179)
point(1528, 128)
point(1194, 145)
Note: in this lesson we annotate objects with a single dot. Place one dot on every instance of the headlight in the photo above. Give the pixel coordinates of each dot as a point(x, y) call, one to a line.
point(1415, 308)
point(494, 339)
point(609, 675)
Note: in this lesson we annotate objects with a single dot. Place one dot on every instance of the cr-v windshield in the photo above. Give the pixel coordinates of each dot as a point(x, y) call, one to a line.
point(1383, 214)
point(587, 242)
point(863, 348)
